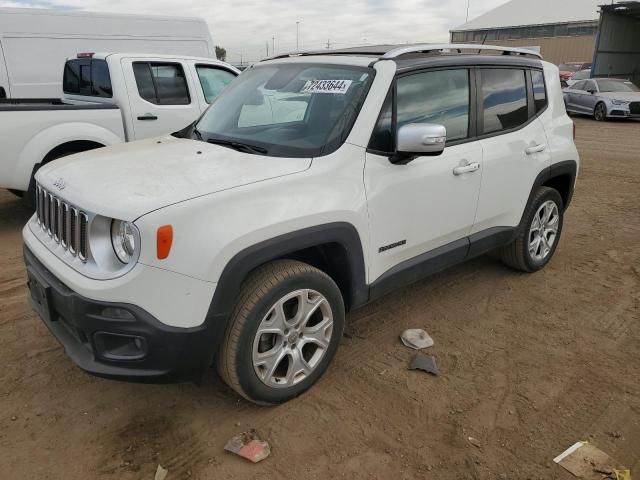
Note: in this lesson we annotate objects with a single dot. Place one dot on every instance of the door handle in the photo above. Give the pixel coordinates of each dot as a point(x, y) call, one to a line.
point(147, 116)
point(472, 167)
point(535, 149)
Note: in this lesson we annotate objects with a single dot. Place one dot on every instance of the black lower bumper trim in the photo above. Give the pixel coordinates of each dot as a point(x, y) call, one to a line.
point(118, 340)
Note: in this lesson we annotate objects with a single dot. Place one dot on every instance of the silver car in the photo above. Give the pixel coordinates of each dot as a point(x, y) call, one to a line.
point(603, 98)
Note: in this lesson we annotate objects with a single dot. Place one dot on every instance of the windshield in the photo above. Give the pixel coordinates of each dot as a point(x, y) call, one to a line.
point(610, 85)
point(287, 110)
point(568, 67)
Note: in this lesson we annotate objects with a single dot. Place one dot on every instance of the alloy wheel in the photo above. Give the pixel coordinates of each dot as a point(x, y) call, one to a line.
point(292, 338)
point(544, 231)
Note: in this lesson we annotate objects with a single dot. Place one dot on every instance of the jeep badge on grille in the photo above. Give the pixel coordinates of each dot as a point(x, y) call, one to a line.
point(60, 183)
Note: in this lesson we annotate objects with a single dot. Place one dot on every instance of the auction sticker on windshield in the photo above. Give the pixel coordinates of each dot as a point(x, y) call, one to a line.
point(326, 86)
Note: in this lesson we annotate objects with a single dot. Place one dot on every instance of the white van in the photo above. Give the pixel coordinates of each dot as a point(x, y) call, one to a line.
point(34, 43)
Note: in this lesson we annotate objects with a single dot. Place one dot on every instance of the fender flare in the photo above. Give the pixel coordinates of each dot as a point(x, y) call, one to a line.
point(567, 167)
point(242, 263)
point(46, 140)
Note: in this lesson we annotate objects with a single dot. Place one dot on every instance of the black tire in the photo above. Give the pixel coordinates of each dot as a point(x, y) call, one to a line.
point(516, 255)
point(260, 292)
point(600, 112)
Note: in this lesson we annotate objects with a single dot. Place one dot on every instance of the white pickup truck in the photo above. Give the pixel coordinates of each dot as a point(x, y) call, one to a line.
point(108, 99)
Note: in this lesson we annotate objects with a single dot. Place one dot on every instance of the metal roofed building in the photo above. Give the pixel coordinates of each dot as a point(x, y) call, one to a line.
point(565, 30)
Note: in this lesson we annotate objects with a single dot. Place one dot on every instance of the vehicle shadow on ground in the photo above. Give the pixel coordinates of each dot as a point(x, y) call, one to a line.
point(13, 213)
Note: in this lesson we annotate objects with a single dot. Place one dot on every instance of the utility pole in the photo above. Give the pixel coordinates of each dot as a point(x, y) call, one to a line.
point(267, 45)
point(273, 46)
point(328, 44)
point(240, 59)
point(468, 1)
point(298, 36)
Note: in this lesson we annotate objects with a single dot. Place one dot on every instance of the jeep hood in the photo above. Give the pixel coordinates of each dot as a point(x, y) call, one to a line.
point(129, 180)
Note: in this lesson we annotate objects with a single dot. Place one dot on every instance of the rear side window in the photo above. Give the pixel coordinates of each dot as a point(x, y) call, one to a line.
point(86, 76)
point(440, 97)
point(504, 99)
point(213, 80)
point(161, 83)
point(539, 90)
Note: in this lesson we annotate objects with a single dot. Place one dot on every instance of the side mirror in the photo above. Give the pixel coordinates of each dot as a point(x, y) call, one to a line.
point(419, 139)
point(591, 91)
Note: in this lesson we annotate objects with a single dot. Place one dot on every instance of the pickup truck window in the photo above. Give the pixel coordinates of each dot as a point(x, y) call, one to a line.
point(288, 110)
point(86, 76)
point(213, 80)
point(161, 83)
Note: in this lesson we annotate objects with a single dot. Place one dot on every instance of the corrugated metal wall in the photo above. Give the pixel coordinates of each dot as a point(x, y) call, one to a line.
point(618, 53)
point(557, 49)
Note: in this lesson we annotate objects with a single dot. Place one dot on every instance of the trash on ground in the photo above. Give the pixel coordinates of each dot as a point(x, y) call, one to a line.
point(475, 442)
point(416, 338)
point(249, 445)
point(586, 461)
point(161, 473)
point(425, 363)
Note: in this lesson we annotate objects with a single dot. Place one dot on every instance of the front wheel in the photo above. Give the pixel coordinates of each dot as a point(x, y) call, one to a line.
point(600, 112)
point(538, 239)
point(283, 333)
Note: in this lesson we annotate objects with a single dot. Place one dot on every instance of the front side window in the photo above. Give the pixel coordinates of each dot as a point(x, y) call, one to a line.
point(504, 99)
point(161, 83)
point(539, 91)
point(294, 110)
point(579, 85)
point(213, 80)
point(590, 86)
point(440, 97)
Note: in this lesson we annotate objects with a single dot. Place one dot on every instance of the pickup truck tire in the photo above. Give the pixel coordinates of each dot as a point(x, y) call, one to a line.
point(539, 235)
point(283, 332)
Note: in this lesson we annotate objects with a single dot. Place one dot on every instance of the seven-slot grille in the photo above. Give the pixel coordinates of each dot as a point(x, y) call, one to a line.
point(634, 108)
point(64, 223)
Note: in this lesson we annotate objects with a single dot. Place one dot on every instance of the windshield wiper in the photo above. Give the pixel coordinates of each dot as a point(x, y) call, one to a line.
point(241, 147)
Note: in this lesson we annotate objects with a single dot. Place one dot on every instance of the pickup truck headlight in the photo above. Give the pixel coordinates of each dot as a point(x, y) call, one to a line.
point(619, 102)
point(123, 239)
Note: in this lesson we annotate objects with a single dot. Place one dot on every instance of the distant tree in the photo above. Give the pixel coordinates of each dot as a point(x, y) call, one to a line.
point(221, 53)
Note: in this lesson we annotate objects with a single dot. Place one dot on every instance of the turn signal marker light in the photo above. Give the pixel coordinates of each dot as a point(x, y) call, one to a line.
point(164, 240)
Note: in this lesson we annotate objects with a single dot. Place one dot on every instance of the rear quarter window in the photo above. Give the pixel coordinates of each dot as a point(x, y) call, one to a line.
point(87, 77)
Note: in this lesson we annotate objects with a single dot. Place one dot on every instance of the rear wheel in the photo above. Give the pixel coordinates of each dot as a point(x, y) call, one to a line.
point(600, 112)
point(283, 333)
point(535, 245)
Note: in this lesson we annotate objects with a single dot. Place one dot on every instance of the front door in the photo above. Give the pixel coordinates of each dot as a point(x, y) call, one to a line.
point(161, 96)
point(418, 207)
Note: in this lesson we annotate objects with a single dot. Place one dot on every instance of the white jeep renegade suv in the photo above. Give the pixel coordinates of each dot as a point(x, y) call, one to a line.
point(314, 184)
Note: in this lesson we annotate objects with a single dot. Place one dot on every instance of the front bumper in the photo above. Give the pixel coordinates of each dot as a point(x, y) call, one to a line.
point(117, 340)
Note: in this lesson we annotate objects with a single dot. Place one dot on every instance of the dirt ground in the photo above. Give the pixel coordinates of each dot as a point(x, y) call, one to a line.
point(531, 364)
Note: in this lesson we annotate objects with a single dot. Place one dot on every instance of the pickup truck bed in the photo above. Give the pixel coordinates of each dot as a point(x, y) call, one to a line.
point(39, 129)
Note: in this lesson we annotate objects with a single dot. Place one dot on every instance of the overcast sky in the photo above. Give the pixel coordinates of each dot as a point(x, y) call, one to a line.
point(244, 26)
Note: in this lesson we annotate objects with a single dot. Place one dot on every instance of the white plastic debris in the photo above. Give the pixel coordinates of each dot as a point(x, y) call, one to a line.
point(416, 338)
point(161, 473)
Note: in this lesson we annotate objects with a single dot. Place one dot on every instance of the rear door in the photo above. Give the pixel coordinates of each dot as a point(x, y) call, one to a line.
point(162, 95)
point(514, 142)
point(5, 91)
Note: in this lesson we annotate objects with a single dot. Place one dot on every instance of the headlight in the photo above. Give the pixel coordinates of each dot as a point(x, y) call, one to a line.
point(619, 102)
point(123, 240)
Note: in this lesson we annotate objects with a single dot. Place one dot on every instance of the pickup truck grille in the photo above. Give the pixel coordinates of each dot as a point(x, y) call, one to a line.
point(64, 223)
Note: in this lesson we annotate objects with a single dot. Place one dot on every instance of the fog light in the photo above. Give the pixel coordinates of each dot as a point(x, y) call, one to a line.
point(115, 346)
